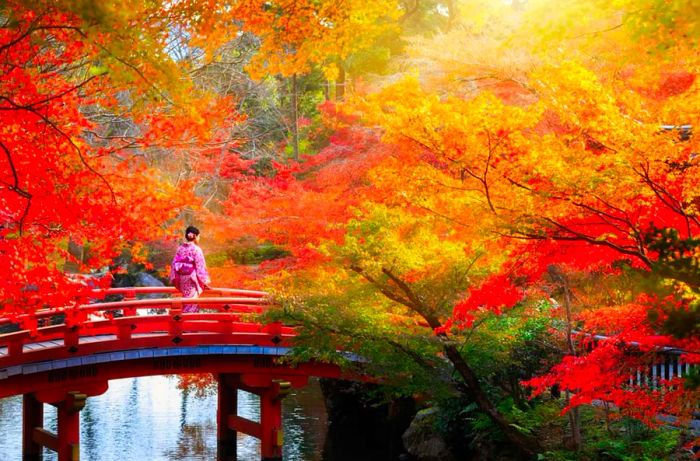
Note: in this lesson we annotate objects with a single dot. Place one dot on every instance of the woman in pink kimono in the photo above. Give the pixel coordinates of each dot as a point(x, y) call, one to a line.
point(188, 272)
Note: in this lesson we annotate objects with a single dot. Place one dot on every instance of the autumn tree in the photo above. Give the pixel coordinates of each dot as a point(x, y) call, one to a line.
point(563, 160)
point(86, 98)
point(601, 176)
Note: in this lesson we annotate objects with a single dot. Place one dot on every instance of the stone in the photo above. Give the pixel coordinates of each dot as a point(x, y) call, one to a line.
point(423, 442)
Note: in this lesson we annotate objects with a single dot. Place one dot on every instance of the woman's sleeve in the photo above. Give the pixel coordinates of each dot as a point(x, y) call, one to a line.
point(172, 270)
point(201, 267)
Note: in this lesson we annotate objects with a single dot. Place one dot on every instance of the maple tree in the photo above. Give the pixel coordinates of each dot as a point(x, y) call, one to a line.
point(57, 186)
point(368, 275)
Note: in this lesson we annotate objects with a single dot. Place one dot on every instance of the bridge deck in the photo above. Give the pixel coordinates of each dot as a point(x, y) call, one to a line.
point(136, 354)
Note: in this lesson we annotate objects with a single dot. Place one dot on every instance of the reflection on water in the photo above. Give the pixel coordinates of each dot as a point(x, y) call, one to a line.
point(150, 419)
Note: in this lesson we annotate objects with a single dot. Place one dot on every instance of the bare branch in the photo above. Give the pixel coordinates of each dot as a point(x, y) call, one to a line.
point(667, 198)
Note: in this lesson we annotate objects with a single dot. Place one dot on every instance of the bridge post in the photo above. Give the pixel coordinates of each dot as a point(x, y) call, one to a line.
point(129, 295)
point(269, 429)
point(69, 426)
point(271, 434)
point(226, 437)
point(66, 441)
point(32, 417)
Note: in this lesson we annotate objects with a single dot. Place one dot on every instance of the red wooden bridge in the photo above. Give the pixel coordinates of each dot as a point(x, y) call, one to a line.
point(65, 359)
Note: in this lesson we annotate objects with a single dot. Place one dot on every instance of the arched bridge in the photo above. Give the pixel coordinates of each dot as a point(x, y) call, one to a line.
point(62, 357)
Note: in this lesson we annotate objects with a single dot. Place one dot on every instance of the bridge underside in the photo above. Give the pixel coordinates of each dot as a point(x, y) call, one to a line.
point(58, 375)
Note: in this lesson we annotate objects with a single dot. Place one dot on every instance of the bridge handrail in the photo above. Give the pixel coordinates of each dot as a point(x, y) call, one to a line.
point(206, 322)
point(248, 299)
point(224, 304)
point(133, 291)
point(169, 302)
point(224, 311)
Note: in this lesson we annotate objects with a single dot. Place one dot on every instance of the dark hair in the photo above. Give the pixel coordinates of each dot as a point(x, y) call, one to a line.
point(191, 233)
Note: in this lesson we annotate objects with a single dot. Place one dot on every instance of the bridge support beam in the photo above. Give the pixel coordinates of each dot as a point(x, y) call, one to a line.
point(268, 430)
point(226, 442)
point(271, 434)
point(69, 426)
point(66, 441)
point(32, 417)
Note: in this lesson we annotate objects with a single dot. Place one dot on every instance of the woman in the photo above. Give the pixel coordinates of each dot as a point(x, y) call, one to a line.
point(188, 272)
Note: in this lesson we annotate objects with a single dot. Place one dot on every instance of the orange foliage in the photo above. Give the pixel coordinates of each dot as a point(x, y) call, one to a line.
point(69, 175)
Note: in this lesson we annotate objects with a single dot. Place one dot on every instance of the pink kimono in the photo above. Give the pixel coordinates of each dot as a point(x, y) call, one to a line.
point(191, 285)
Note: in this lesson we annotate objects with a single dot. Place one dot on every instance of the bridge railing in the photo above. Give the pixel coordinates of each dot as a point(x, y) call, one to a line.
point(242, 299)
point(113, 325)
point(133, 292)
point(63, 356)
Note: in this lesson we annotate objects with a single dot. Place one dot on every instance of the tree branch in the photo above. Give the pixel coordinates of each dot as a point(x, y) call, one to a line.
point(129, 65)
point(389, 294)
point(15, 188)
point(16, 106)
point(72, 143)
point(419, 306)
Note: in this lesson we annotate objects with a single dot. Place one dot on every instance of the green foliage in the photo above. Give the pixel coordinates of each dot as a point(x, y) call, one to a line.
point(528, 419)
point(651, 445)
point(467, 429)
point(337, 312)
point(677, 257)
point(254, 255)
point(304, 148)
point(512, 347)
point(623, 440)
point(217, 259)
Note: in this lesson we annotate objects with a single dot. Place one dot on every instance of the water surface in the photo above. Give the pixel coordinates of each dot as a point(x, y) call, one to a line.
point(150, 419)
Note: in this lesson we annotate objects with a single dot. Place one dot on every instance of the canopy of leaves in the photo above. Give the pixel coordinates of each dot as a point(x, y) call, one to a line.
point(553, 138)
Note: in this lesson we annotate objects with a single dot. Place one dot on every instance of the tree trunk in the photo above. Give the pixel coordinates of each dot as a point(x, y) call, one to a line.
point(340, 83)
point(527, 445)
point(558, 276)
point(295, 118)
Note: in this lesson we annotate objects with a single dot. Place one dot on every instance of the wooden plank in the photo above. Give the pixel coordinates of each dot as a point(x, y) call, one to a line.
point(245, 426)
point(45, 438)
